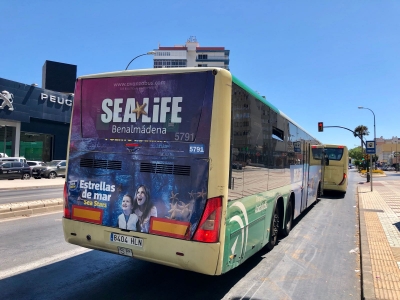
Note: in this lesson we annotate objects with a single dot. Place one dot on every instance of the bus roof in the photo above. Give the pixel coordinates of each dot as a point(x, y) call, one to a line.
point(254, 94)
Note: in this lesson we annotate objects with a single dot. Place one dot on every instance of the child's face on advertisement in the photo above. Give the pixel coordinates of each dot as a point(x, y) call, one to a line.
point(127, 205)
point(141, 196)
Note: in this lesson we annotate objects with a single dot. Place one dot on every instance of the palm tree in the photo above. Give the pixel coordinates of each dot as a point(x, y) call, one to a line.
point(360, 131)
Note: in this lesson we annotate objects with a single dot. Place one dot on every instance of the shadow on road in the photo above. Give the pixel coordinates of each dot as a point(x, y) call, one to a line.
point(99, 275)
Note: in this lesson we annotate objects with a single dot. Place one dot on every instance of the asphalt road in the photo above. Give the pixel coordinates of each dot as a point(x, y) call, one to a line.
point(13, 195)
point(318, 260)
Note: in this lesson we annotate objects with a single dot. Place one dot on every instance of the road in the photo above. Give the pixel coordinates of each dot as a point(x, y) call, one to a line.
point(14, 195)
point(318, 260)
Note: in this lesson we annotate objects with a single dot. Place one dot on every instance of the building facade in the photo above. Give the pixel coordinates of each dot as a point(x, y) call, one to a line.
point(191, 55)
point(386, 150)
point(34, 122)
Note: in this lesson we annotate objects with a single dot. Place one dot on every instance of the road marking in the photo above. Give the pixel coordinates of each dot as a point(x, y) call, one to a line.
point(42, 262)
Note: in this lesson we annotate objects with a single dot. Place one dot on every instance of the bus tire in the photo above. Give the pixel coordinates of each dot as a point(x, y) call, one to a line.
point(274, 229)
point(288, 219)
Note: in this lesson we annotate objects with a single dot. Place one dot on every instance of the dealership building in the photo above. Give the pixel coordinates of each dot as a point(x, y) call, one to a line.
point(34, 121)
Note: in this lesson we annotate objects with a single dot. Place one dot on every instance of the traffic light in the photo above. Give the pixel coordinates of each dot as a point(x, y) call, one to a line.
point(320, 126)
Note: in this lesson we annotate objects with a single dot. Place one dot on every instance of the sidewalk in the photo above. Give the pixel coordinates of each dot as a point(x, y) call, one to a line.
point(379, 215)
point(28, 208)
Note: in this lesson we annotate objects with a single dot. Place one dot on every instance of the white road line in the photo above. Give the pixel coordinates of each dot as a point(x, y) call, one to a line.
point(41, 262)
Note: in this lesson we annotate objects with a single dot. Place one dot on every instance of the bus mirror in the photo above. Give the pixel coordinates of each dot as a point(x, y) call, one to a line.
point(326, 161)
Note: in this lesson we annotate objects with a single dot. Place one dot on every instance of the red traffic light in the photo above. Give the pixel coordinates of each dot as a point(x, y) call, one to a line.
point(320, 126)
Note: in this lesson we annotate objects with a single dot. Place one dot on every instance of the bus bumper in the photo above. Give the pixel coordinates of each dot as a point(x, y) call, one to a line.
point(182, 254)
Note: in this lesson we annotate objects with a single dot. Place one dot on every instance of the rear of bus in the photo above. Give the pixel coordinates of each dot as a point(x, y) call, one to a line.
point(145, 178)
point(335, 174)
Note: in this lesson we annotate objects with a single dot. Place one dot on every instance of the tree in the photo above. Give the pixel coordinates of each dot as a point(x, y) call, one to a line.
point(360, 131)
point(356, 153)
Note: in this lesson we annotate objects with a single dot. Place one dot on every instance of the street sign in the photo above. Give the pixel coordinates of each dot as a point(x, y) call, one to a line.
point(297, 146)
point(370, 148)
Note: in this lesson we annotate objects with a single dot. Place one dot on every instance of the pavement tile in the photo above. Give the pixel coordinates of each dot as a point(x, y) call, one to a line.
point(381, 213)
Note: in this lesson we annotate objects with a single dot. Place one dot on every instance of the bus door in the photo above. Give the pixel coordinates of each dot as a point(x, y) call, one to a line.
point(318, 162)
point(306, 168)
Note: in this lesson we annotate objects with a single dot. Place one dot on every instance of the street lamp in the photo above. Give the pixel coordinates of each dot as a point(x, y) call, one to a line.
point(396, 155)
point(148, 53)
point(361, 107)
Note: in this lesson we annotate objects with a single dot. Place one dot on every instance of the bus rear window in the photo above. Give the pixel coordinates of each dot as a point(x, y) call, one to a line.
point(317, 153)
point(334, 153)
point(163, 107)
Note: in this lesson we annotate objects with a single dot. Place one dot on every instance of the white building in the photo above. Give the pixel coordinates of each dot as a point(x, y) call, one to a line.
point(191, 55)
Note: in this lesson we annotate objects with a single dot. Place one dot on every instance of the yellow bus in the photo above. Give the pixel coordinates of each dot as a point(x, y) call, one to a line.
point(185, 167)
point(336, 167)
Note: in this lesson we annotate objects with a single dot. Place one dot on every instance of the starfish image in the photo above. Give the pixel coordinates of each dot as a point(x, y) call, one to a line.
point(139, 110)
point(174, 211)
point(186, 210)
point(174, 197)
point(191, 194)
point(201, 194)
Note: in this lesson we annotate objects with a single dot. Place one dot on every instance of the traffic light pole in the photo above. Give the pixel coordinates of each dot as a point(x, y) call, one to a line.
point(355, 134)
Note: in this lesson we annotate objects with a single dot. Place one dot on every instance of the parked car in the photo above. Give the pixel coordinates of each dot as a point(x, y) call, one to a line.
point(51, 170)
point(14, 170)
point(36, 163)
point(20, 159)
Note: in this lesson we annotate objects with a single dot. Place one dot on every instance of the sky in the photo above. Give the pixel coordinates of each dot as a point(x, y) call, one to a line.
point(317, 61)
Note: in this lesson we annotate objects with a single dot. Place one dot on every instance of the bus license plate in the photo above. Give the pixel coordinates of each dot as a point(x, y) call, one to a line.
point(125, 251)
point(124, 239)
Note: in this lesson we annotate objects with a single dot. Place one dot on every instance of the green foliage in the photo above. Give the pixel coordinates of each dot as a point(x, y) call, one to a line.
point(361, 130)
point(356, 153)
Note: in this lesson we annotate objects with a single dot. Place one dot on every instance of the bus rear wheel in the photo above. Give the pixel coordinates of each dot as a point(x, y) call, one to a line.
point(274, 229)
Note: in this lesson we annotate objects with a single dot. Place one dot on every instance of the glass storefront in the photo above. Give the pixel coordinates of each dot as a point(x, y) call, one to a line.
point(33, 146)
point(6, 137)
point(36, 146)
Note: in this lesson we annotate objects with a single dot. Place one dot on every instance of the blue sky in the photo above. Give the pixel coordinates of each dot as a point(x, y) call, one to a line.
point(314, 60)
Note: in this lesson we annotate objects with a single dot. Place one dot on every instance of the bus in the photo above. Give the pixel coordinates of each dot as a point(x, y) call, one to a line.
point(185, 167)
point(336, 167)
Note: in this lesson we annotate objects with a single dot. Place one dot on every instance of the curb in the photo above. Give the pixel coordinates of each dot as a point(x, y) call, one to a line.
point(31, 187)
point(28, 208)
point(367, 282)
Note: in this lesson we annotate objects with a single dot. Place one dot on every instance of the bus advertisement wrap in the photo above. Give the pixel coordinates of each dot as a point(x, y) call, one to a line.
point(165, 123)
point(144, 107)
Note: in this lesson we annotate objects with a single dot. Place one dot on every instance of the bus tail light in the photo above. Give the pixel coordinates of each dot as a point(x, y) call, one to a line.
point(67, 212)
point(208, 229)
point(344, 179)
